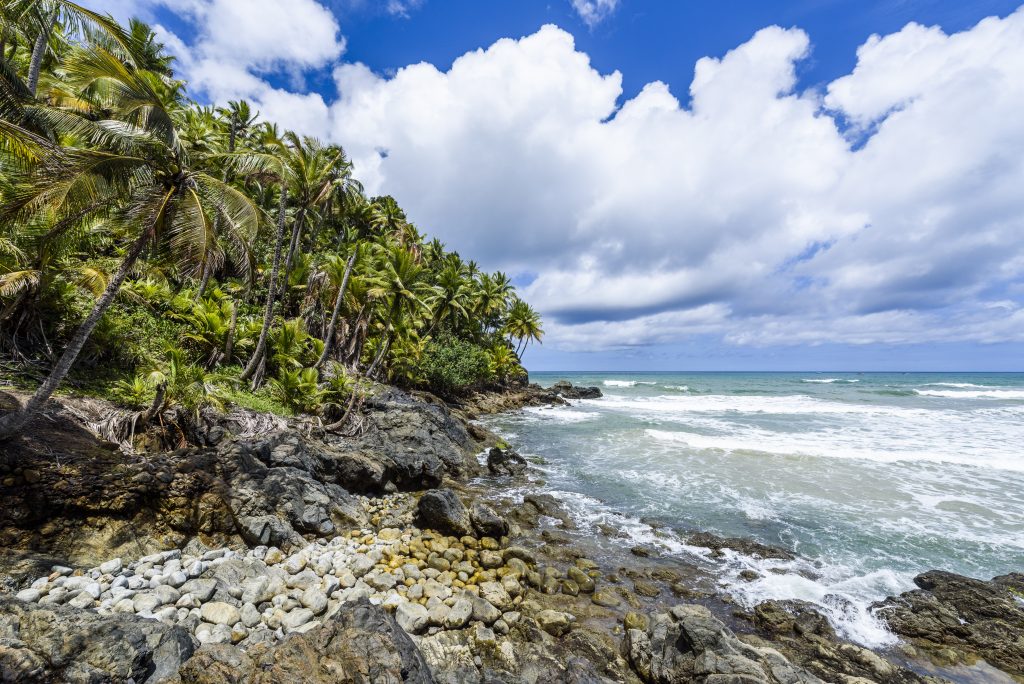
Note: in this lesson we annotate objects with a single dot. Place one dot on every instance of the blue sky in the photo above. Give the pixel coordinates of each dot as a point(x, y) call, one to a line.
point(799, 185)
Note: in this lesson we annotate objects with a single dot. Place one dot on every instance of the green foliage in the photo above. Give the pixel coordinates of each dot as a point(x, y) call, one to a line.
point(298, 389)
point(450, 365)
point(135, 392)
point(109, 171)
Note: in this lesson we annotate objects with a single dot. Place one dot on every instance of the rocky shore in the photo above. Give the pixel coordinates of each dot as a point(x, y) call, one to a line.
point(264, 550)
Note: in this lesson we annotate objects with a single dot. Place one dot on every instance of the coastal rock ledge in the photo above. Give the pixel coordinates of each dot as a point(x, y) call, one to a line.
point(412, 551)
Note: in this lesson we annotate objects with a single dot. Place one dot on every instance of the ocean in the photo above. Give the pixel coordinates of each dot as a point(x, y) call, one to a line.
point(871, 478)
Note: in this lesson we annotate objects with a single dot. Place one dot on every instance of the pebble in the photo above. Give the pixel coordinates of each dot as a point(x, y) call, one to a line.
point(428, 581)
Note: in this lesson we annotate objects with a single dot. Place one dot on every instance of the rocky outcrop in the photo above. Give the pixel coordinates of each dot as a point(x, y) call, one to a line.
point(688, 644)
point(959, 619)
point(505, 462)
point(747, 547)
point(74, 496)
point(805, 636)
point(46, 643)
point(567, 390)
point(360, 644)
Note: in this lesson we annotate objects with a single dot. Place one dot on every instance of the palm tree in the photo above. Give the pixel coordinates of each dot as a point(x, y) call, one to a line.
point(135, 174)
point(401, 285)
point(44, 16)
point(523, 324)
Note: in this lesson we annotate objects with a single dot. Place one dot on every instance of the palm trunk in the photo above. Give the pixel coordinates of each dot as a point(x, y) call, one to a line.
point(207, 271)
point(380, 356)
point(229, 344)
point(38, 50)
point(293, 246)
point(338, 298)
point(268, 316)
point(13, 422)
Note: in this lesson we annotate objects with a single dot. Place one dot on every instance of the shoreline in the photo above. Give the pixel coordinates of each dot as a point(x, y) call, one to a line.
point(639, 589)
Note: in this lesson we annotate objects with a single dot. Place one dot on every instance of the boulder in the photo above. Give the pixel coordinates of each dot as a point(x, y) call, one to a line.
point(442, 510)
point(566, 389)
point(689, 644)
point(486, 522)
point(51, 644)
point(963, 617)
point(505, 462)
point(360, 643)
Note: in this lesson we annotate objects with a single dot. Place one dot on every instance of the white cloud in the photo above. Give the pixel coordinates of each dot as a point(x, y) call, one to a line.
point(884, 208)
point(751, 201)
point(594, 12)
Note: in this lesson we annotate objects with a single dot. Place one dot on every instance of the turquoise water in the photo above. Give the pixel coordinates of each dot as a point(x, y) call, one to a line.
point(872, 478)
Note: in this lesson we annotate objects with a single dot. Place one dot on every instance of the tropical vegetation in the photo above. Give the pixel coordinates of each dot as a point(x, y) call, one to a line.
point(167, 253)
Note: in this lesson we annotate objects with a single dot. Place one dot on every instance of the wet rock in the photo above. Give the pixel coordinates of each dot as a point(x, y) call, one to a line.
point(960, 618)
point(689, 644)
point(442, 510)
point(505, 462)
point(747, 547)
point(566, 389)
point(555, 623)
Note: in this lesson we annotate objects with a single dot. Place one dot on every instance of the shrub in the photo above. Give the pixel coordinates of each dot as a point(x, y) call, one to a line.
point(451, 365)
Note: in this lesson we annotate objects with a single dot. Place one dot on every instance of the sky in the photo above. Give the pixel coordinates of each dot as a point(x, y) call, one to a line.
point(675, 185)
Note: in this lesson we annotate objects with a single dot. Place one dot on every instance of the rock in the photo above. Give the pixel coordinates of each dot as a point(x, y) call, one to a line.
point(584, 581)
point(566, 389)
point(495, 594)
point(314, 599)
point(360, 643)
point(459, 613)
point(483, 611)
point(442, 510)
point(250, 615)
point(64, 644)
point(486, 522)
point(28, 595)
point(606, 598)
point(219, 613)
point(362, 565)
point(111, 567)
point(201, 589)
point(167, 594)
point(505, 462)
point(412, 617)
point(690, 644)
point(747, 547)
point(554, 622)
point(147, 603)
point(295, 564)
point(296, 618)
point(961, 618)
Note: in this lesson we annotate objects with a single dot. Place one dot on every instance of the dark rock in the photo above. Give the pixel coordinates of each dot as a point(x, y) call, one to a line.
point(58, 643)
point(689, 644)
point(505, 462)
point(961, 619)
point(442, 510)
point(805, 636)
point(486, 522)
point(566, 389)
point(359, 644)
point(747, 547)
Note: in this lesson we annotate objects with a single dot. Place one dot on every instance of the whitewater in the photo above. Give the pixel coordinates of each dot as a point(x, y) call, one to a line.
point(871, 478)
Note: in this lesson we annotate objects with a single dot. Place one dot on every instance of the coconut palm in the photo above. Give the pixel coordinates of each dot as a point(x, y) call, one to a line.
point(523, 324)
point(134, 174)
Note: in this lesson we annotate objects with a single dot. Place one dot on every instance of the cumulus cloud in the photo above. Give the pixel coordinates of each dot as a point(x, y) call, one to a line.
point(593, 12)
point(883, 207)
